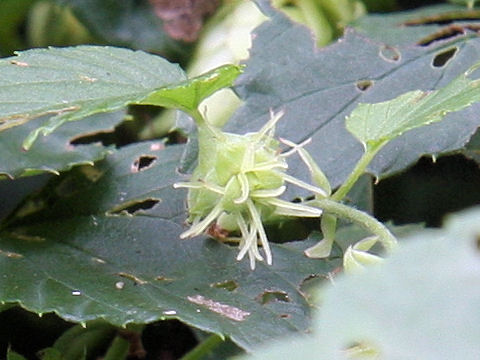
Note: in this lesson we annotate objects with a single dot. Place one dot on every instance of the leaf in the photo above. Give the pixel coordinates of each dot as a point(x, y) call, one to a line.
point(55, 153)
point(106, 245)
point(189, 95)
point(128, 23)
point(319, 88)
point(12, 355)
point(432, 282)
point(377, 123)
point(77, 82)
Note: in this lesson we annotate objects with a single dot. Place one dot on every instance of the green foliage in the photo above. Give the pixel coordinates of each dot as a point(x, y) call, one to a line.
point(421, 303)
point(99, 244)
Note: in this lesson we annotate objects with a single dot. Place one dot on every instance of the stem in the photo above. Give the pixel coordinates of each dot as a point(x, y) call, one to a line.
point(204, 124)
point(203, 348)
point(358, 171)
point(118, 350)
point(359, 217)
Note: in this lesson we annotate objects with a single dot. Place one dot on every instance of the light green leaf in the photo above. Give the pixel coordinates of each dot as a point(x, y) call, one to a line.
point(421, 303)
point(380, 122)
point(189, 95)
point(76, 82)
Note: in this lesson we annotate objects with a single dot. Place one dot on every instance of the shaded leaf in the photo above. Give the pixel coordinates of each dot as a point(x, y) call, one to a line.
point(132, 262)
point(56, 152)
point(319, 88)
point(129, 23)
point(12, 355)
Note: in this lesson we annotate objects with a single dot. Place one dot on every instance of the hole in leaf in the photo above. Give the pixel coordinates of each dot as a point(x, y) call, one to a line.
point(273, 296)
point(389, 53)
point(285, 316)
point(131, 207)
point(229, 285)
point(364, 85)
point(445, 18)
point(143, 163)
point(442, 58)
point(103, 137)
point(445, 33)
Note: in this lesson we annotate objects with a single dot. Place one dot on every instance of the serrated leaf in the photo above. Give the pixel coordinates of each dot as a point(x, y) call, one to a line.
point(55, 153)
point(189, 95)
point(118, 224)
point(376, 123)
point(319, 88)
point(76, 82)
point(422, 303)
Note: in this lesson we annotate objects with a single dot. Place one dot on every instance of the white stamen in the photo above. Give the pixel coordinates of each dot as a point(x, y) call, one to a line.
point(257, 221)
point(303, 184)
point(293, 209)
point(202, 225)
point(268, 193)
point(274, 117)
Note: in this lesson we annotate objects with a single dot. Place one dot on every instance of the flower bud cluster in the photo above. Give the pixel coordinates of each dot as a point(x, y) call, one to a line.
point(237, 185)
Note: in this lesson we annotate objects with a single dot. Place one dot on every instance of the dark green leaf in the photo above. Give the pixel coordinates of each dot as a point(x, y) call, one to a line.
point(106, 245)
point(319, 88)
point(54, 153)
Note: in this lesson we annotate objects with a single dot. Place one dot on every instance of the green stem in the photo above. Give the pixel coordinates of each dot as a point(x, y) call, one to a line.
point(361, 218)
point(358, 171)
point(118, 350)
point(203, 348)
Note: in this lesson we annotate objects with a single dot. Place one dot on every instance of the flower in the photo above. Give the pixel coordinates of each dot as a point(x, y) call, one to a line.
point(237, 184)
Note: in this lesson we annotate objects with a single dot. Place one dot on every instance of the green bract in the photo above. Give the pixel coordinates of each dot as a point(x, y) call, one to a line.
point(237, 184)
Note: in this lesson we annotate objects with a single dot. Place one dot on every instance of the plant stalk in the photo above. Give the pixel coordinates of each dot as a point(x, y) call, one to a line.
point(361, 218)
point(203, 348)
point(358, 171)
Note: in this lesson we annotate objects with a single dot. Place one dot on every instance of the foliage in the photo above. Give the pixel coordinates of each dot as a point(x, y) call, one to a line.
point(99, 244)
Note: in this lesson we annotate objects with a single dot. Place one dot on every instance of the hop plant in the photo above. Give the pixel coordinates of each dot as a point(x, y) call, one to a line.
point(237, 185)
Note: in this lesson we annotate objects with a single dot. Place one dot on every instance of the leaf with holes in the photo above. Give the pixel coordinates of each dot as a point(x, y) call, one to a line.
point(76, 82)
point(434, 278)
point(319, 88)
point(61, 150)
point(118, 223)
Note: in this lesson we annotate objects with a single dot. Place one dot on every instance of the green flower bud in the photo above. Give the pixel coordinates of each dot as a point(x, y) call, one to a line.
point(237, 184)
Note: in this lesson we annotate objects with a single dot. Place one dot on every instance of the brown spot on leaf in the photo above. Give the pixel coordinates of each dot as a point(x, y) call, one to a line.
point(389, 53)
point(132, 277)
point(11, 254)
point(231, 312)
point(19, 63)
point(183, 19)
